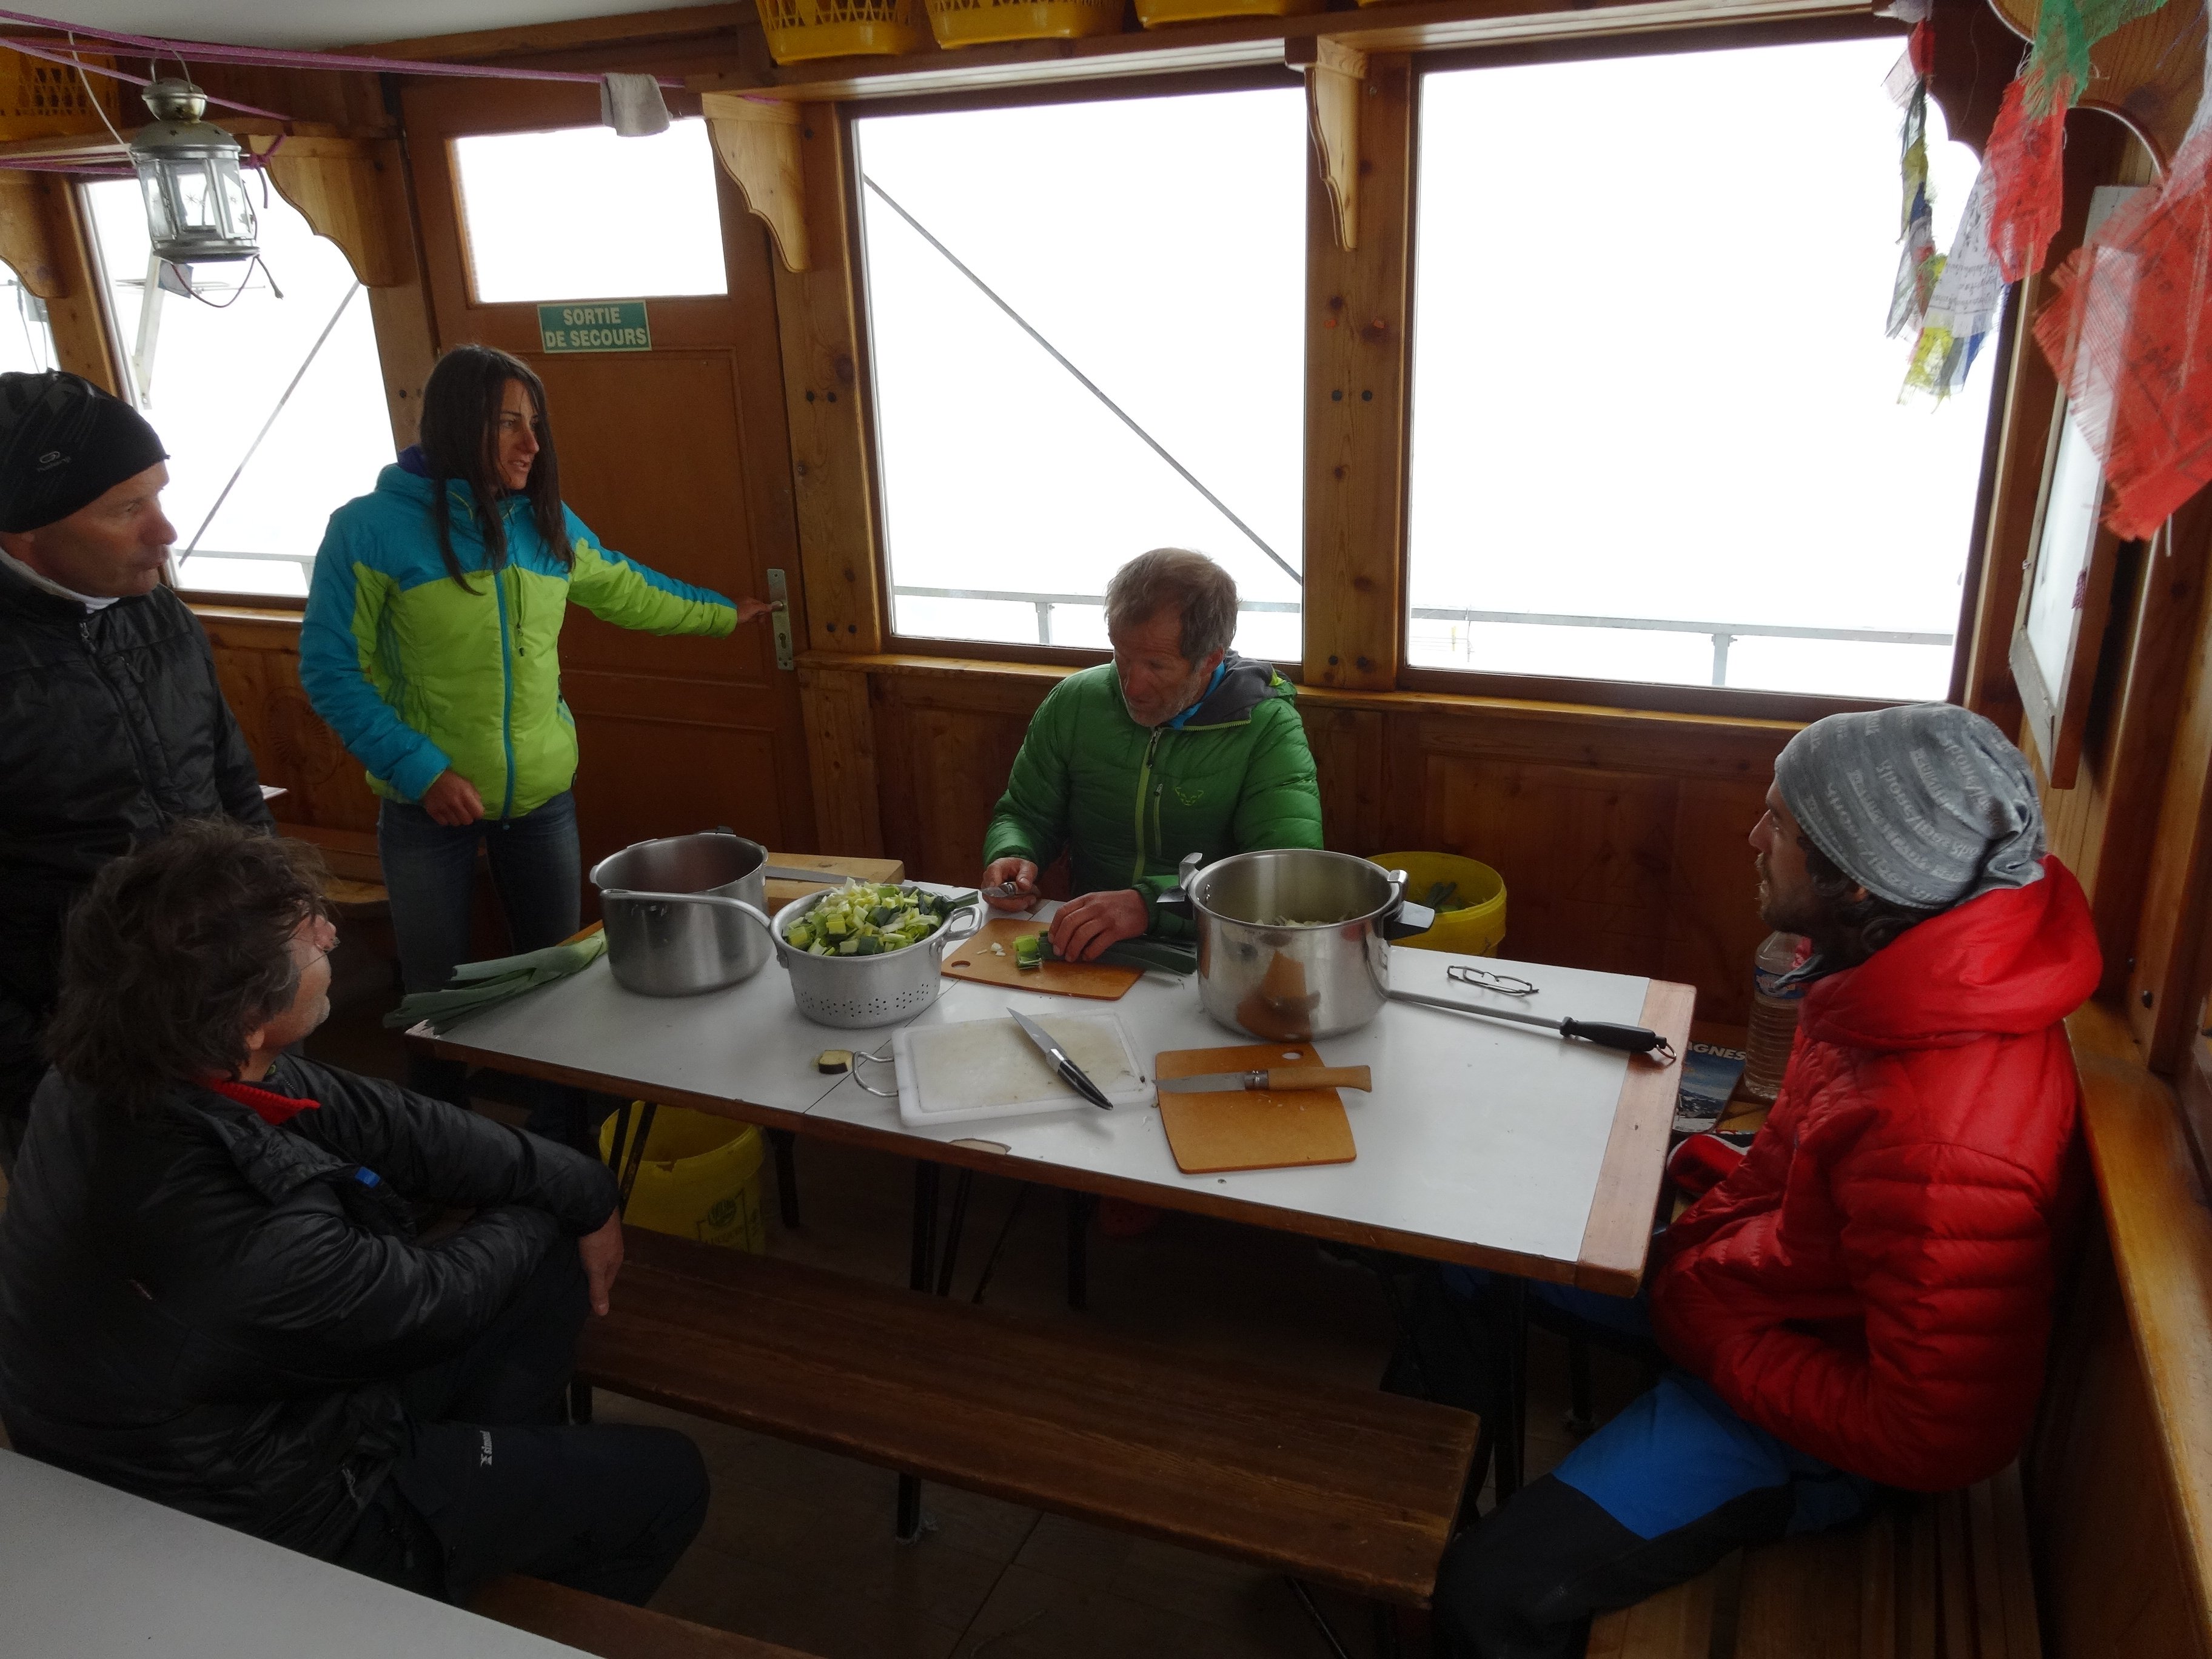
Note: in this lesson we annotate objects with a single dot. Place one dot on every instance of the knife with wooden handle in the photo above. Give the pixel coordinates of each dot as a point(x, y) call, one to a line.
point(1280, 1079)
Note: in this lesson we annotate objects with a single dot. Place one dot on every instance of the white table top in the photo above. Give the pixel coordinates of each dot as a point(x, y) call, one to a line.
point(1481, 1142)
point(1476, 1132)
point(94, 1573)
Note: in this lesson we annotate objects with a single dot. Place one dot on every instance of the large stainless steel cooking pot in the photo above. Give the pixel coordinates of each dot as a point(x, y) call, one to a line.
point(686, 913)
point(1293, 943)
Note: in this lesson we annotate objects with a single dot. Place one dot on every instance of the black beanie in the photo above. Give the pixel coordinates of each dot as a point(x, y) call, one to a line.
point(64, 444)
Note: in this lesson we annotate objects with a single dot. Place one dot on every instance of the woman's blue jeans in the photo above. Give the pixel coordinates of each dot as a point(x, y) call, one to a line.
point(429, 871)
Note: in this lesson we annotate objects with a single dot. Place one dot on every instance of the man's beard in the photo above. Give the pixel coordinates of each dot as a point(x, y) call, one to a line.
point(1805, 914)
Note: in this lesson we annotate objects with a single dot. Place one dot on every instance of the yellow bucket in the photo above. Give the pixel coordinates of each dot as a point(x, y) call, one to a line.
point(980, 22)
point(799, 29)
point(1477, 930)
point(700, 1179)
point(1153, 13)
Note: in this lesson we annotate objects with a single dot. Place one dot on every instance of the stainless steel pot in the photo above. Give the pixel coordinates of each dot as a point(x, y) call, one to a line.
point(1293, 943)
point(686, 913)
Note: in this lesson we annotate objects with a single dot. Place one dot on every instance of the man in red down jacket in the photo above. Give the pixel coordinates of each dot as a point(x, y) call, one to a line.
point(1864, 1300)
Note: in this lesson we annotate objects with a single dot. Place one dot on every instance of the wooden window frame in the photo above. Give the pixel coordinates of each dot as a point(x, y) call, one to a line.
point(1364, 619)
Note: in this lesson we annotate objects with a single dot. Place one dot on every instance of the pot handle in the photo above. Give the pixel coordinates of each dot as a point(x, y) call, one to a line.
point(753, 911)
point(1402, 918)
point(1177, 900)
point(970, 906)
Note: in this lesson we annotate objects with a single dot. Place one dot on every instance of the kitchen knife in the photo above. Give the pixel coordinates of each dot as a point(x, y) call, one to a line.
point(1070, 1072)
point(1279, 1080)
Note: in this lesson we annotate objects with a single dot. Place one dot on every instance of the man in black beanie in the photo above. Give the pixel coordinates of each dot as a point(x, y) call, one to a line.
point(112, 727)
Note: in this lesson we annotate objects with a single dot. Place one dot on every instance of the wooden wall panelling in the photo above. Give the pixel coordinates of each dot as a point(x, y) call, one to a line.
point(841, 746)
point(2109, 1570)
point(826, 407)
point(2120, 1469)
point(944, 750)
point(1348, 745)
point(1357, 302)
point(2164, 986)
point(257, 658)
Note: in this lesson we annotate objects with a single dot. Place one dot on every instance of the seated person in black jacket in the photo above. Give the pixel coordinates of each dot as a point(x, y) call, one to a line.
point(212, 1294)
point(112, 725)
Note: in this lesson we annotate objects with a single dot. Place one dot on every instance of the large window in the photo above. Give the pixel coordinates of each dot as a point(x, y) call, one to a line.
point(583, 213)
point(27, 342)
point(1086, 338)
point(265, 389)
point(1657, 433)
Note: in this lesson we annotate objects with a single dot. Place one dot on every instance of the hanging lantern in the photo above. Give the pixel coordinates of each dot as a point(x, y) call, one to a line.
point(196, 211)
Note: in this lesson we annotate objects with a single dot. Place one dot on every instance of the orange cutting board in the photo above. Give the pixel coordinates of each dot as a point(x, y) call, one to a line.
point(1226, 1129)
point(972, 959)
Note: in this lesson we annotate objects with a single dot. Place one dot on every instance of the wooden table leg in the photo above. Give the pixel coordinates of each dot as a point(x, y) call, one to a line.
point(1079, 1250)
point(908, 1521)
point(961, 1184)
point(782, 1143)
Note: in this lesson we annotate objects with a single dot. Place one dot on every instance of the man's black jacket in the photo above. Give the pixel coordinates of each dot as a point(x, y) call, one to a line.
point(112, 728)
point(214, 1312)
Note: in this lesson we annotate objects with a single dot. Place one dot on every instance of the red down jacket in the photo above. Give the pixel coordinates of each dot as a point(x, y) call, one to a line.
point(1872, 1284)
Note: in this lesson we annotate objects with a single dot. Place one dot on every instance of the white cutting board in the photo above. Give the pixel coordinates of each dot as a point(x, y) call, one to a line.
point(988, 1068)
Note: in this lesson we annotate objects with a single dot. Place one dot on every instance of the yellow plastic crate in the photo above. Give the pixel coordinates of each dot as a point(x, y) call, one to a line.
point(980, 22)
point(799, 29)
point(1153, 13)
point(700, 1179)
point(38, 99)
point(1476, 930)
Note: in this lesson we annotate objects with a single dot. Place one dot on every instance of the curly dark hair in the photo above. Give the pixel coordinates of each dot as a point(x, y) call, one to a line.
point(177, 952)
point(1851, 929)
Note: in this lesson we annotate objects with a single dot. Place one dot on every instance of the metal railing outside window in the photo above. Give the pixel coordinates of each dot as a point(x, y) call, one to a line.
point(1723, 634)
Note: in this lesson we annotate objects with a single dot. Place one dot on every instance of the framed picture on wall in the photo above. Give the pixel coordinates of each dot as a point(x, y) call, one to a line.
point(2065, 599)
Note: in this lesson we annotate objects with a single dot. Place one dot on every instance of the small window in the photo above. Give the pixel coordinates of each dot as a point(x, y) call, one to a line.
point(583, 213)
point(1086, 332)
point(1657, 433)
point(27, 343)
point(265, 389)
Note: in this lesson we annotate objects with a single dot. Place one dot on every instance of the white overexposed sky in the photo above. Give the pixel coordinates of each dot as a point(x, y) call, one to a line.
point(583, 213)
point(1650, 377)
point(216, 375)
point(1160, 243)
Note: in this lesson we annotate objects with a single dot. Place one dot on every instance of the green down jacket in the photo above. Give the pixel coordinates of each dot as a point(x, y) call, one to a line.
point(1130, 802)
point(417, 674)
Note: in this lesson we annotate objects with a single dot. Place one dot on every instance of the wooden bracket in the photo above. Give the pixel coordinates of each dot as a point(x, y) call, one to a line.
point(349, 191)
point(27, 235)
point(1336, 80)
point(757, 139)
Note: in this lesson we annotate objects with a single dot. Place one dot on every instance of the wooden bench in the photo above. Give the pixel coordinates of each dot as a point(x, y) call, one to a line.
point(354, 878)
point(1946, 1576)
point(1343, 1487)
point(613, 1630)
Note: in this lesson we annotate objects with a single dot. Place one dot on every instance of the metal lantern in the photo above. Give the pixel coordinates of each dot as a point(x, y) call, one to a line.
point(196, 209)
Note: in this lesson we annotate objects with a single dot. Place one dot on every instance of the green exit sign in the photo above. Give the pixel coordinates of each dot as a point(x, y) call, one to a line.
point(606, 326)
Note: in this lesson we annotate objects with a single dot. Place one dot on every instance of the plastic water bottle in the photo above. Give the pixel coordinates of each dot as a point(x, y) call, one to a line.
point(1773, 1014)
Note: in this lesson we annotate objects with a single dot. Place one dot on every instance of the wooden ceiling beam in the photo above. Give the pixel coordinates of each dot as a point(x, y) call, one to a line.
point(1248, 42)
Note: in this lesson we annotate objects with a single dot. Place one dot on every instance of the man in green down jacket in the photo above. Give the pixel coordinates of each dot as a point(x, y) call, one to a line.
point(1176, 746)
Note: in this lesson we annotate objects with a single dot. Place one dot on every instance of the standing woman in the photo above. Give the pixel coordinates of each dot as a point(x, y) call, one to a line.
point(431, 648)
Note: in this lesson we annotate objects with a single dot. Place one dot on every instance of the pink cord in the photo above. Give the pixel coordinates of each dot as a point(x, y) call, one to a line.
point(41, 49)
point(214, 52)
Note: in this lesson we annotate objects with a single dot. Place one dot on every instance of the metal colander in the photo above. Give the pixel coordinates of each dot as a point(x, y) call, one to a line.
point(861, 991)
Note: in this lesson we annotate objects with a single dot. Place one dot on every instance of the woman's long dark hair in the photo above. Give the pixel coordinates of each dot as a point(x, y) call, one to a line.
point(460, 440)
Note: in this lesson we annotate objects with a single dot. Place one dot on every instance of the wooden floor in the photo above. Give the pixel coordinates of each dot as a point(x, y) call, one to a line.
point(797, 1546)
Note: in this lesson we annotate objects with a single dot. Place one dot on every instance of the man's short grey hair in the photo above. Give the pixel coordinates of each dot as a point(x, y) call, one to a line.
point(1176, 579)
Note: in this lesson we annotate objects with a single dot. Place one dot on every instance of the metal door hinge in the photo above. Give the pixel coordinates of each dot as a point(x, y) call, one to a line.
point(779, 597)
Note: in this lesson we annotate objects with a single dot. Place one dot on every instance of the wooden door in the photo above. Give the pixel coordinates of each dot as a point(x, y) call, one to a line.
point(679, 456)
